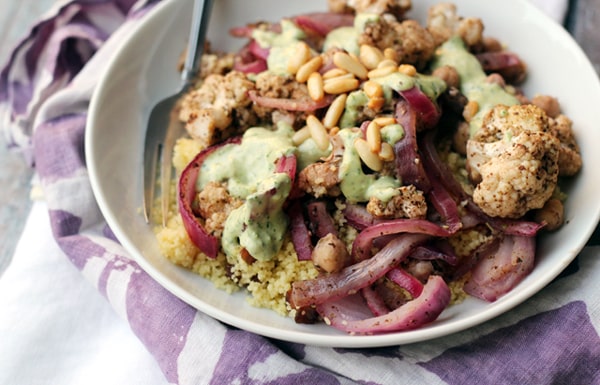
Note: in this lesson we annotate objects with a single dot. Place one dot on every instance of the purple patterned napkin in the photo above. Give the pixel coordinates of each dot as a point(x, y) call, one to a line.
point(44, 92)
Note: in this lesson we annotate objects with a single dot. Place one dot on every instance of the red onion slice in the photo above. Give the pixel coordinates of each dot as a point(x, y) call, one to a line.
point(409, 167)
point(502, 269)
point(207, 243)
point(355, 277)
point(322, 23)
point(406, 281)
point(321, 221)
point(375, 303)
point(299, 232)
point(361, 248)
point(348, 313)
point(428, 112)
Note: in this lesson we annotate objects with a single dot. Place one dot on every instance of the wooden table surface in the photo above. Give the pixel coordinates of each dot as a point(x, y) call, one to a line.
point(15, 176)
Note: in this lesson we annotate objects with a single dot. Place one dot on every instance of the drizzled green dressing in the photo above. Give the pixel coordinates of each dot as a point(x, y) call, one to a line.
point(347, 37)
point(248, 169)
point(355, 184)
point(281, 45)
point(473, 82)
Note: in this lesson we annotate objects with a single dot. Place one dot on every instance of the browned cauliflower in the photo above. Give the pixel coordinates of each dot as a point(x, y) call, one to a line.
point(513, 158)
point(443, 22)
point(210, 110)
point(412, 43)
point(395, 7)
point(409, 203)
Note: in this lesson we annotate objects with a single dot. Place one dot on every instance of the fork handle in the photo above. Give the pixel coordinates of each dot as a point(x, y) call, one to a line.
point(198, 30)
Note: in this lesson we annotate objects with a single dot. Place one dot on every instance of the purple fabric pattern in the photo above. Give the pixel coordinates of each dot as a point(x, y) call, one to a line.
point(528, 352)
point(44, 94)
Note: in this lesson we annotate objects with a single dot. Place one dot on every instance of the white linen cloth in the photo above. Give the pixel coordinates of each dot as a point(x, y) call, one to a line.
point(55, 328)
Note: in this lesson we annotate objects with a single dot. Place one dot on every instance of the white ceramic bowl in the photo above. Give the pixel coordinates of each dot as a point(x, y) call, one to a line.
point(144, 71)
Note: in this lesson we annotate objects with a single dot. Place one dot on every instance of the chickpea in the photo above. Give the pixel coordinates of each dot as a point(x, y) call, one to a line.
point(552, 214)
point(547, 103)
point(448, 74)
point(330, 254)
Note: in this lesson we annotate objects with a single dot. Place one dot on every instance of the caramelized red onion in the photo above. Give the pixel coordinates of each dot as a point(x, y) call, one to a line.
point(361, 248)
point(351, 279)
point(322, 23)
point(206, 242)
point(406, 281)
point(351, 315)
point(409, 167)
point(299, 232)
point(502, 268)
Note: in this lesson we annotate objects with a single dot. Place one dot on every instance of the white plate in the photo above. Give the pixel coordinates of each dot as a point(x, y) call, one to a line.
point(143, 71)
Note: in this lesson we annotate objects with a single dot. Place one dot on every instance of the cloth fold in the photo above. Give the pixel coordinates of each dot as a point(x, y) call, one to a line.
point(44, 92)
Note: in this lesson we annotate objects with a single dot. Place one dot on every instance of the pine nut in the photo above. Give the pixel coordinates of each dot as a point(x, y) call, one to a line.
point(340, 85)
point(390, 53)
point(300, 136)
point(308, 68)
point(373, 135)
point(334, 73)
point(376, 103)
point(387, 152)
point(370, 159)
point(335, 110)
point(407, 69)
point(372, 89)
point(318, 132)
point(315, 86)
point(384, 120)
point(348, 63)
point(470, 110)
point(387, 63)
point(370, 56)
point(380, 72)
point(300, 56)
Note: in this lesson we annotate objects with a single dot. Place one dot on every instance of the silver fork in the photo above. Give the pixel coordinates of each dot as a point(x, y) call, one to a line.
point(164, 126)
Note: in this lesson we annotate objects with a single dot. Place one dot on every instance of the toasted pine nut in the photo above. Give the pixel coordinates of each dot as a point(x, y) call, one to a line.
point(390, 53)
point(300, 56)
point(318, 132)
point(308, 68)
point(371, 159)
point(376, 103)
point(372, 89)
point(334, 130)
point(340, 85)
point(370, 56)
point(300, 136)
point(470, 110)
point(382, 71)
point(315, 86)
point(387, 152)
point(348, 63)
point(373, 135)
point(334, 73)
point(387, 63)
point(407, 69)
point(384, 120)
point(335, 110)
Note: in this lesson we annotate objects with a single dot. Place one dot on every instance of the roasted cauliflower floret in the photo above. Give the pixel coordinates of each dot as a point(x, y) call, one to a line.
point(569, 157)
point(443, 22)
point(395, 7)
point(513, 158)
point(272, 85)
point(409, 203)
point(218, 109)
point(412, 43)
